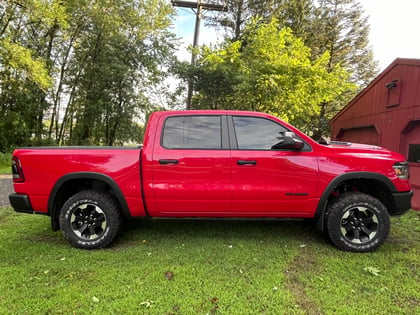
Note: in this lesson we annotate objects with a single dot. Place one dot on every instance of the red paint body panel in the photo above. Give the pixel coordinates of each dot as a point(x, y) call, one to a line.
point(272, 186)
point(208, 183)
point(199, 185)
point(44, 167)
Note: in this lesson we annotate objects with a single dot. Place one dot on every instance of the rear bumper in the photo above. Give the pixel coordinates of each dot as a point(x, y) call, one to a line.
point(20, 203)
point(402, 202)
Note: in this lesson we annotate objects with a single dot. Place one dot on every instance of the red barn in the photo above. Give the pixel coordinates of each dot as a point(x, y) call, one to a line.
point(387, 113)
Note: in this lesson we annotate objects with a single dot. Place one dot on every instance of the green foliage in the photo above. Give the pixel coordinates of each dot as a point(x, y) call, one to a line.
point(83, 72)
point(268, 70)
point(5, 163)
point(294, 14)
point(119, 53)
point(78, 72)
point(19, 58)
point(342, 28)
point(25, 76)
point(205, 268)
point(337, 27)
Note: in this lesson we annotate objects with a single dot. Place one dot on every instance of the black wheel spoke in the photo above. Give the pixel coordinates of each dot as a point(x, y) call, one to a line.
point(368, 221)
point(82, 229)
point(356, 235)
point(347, 226)
point(92, 231)
point(366, 231)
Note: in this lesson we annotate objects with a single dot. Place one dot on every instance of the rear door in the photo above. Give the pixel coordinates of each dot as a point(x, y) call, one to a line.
point(267, 181)
point(191, 166)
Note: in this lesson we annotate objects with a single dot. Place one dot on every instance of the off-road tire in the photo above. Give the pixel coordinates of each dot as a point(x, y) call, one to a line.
point(90, 219)
point(357, 222)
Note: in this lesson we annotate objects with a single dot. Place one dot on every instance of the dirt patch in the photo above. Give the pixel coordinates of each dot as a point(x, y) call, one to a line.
point(302, 263)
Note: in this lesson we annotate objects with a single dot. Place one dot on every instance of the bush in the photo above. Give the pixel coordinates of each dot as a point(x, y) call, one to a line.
point(5, 161)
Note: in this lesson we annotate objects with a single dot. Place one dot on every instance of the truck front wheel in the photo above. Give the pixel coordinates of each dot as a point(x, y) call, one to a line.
point(357, 222)
point(90, 219)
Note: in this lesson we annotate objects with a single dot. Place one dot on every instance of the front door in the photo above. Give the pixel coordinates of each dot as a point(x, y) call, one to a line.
point(267, 181)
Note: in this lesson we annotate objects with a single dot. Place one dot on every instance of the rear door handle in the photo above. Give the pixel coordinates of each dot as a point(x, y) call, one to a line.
point(164, 161)
point(245, 162)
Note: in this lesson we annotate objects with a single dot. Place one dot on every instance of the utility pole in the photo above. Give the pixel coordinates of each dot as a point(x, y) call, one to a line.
point(198, 7)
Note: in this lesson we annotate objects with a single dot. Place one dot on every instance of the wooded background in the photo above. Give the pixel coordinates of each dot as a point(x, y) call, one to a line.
point(81, 72)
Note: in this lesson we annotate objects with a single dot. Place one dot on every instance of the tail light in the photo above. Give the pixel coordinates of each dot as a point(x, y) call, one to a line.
point(17, 171)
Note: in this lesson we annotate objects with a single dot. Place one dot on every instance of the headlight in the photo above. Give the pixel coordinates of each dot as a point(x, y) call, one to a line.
point(401, 170)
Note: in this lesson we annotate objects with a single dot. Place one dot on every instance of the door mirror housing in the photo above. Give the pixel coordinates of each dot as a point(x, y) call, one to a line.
point(288, 141)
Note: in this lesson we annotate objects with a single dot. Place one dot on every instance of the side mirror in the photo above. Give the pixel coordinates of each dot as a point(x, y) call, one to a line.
point(288, 141)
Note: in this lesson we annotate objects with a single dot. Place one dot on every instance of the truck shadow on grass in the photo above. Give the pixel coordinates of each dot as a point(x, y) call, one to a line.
point(281, 232)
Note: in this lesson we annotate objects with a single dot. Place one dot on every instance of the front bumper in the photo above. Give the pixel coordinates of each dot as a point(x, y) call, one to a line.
point(20, 203)
point(402, 202)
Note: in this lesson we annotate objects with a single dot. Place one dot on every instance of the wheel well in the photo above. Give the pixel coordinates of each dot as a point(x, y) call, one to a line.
point(64, 189)
point(372, 187)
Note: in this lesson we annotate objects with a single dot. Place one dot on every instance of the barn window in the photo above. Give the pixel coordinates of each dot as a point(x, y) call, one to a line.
point(394, 93)
point(414, 153)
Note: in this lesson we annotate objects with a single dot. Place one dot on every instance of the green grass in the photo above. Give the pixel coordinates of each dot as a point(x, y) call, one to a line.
point(206, 267)
point(5, 163)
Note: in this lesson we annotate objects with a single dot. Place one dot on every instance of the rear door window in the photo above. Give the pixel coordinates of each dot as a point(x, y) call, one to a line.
point(192, 132)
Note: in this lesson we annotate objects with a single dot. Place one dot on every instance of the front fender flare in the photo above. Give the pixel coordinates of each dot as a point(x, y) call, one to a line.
point(323, 202)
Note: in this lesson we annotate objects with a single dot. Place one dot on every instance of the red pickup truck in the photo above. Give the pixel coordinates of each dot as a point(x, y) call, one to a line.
point(215, 164)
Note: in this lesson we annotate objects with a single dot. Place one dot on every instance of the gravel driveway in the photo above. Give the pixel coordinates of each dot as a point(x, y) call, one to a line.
point(6, 187)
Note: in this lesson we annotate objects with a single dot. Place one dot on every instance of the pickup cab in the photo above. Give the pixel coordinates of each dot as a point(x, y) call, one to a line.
point(215, 164)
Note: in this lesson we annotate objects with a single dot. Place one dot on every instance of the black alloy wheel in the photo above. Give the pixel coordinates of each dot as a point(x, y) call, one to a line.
point(90, 219)
point(357, 222)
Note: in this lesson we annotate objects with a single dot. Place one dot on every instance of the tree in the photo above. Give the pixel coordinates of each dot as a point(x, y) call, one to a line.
point(240, 12)
point(341, 29)
point(26, 34)
point(338, 27)
point(80, 72)
point(267, 70)
point(122, 51)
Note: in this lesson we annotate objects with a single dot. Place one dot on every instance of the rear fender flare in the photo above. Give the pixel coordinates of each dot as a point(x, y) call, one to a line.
point(90, 176)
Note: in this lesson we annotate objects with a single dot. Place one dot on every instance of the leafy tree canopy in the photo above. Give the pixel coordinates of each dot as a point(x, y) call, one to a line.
point(270, 70)
point(81, 72)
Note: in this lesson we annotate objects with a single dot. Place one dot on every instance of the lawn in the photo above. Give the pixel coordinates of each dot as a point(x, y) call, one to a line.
point(206, 267)
point(5, 163)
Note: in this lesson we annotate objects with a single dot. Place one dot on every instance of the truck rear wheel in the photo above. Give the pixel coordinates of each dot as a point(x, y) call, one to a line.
point(90, 219)
point(357, 222)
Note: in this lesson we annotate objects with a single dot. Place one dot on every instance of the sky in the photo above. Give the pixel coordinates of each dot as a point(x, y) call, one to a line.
point(394, 30)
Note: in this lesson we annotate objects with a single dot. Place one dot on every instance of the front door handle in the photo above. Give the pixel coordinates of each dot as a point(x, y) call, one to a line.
point(164, 161)
point(245, 162)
